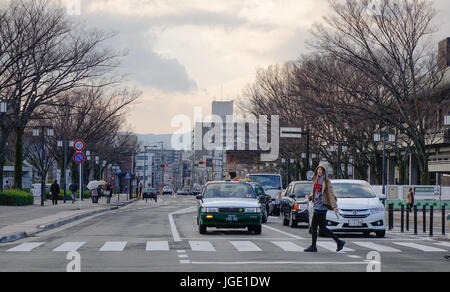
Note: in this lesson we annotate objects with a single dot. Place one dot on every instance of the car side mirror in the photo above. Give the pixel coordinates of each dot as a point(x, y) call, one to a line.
point(262, 199)
point(199, 197)
point(382, 196)
point(292, 196)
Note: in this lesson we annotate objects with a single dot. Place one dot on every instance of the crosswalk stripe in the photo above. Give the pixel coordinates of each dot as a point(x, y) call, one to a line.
point(114, 246)
point(201, 246)
point(288, 246)
point(331, 246)
point(446, 244)
point(27, 246)
point(377, 247)
point(69, 246)
point(157, 246)
point(245, 246)
point(419, 246)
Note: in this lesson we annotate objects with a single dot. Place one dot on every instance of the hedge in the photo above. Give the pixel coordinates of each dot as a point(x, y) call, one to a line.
point(16, 198)
point(86, 195)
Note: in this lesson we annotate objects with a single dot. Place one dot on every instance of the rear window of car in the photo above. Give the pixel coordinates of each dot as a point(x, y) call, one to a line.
point(229, 190)
point(149, 190)
point(352, 190)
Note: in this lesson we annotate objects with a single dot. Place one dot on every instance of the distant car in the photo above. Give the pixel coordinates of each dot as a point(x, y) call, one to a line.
point(273, 186)
point(167, 190)
point(150, 193)
point(359, 208)
point(294, 205)
point(197, 190)
point(264, 199)
point(182, 193)
point(229, 204)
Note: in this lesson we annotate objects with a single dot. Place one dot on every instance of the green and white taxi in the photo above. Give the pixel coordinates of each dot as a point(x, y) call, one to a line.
point(229, 204)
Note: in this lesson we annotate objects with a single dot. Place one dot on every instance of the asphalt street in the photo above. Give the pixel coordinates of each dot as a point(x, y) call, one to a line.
point(163, 237)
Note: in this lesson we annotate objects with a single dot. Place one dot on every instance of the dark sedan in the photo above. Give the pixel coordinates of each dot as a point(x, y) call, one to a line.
point(150, 193)
point(294, 205)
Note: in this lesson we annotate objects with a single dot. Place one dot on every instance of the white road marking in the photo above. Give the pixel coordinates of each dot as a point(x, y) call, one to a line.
point(27, 246)
point(377, 247)
point(173, 227)
point(157, 246)
point(288, 246)
point(280, 263)
point(245, 246)
point(420, 246)
point(114, 246)
point(184, 262)
point(201, 246)
point(282, 232)
point(182, 256)
point(181, 251)
point(446, 244)
point(331, 246)
point(69, 246)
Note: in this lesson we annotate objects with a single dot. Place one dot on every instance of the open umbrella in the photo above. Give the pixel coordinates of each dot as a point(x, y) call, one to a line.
point(102, 183)
point(92, 185)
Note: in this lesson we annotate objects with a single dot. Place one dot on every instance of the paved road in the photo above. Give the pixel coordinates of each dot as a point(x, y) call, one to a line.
point(163, 236)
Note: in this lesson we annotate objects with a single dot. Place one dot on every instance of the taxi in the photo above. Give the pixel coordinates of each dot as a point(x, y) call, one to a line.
point(229, 204)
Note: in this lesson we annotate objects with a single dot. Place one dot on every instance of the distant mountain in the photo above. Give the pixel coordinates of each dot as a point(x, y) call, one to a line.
point(152, 139)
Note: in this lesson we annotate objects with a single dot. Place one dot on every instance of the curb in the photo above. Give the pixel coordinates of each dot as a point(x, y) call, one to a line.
point(21, 235)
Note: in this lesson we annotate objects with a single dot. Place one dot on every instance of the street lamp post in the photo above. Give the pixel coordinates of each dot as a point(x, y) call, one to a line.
point(50, 133)
point(3, 110)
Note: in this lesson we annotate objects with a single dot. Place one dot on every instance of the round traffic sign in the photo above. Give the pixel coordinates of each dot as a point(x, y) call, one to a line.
point(309, 175)
point(78, 157)
point(79, 145)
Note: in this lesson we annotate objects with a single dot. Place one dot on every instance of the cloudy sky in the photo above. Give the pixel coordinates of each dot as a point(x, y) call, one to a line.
point(182, 53)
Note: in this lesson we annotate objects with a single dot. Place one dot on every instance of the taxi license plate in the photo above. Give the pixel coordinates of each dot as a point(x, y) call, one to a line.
point(355, 223)
point(232, 218)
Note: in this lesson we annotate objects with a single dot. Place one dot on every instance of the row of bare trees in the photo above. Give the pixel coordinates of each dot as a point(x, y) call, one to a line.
point(57, 73)
point(373, 69)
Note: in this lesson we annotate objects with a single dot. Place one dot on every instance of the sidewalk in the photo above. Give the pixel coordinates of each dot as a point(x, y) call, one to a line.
point(20, 222)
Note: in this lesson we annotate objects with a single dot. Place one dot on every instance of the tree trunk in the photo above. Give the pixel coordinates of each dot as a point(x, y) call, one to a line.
point(18, 158)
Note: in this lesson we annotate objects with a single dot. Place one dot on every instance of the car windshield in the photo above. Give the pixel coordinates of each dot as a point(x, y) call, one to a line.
point(302, 190)
point(149, 190)
point(352, 190)
point(268, 182)
point(229, 190)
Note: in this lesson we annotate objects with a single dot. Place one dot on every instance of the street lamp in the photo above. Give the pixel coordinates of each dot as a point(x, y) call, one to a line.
point(50, 132)
point(391, 139)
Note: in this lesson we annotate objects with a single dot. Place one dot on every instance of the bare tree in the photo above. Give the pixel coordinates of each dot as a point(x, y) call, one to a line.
point(387, 42)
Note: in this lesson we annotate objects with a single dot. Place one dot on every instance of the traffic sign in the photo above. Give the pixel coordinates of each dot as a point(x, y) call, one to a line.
point(79, 145)
point(309, 175)
point(128, 176)
point(78, 157)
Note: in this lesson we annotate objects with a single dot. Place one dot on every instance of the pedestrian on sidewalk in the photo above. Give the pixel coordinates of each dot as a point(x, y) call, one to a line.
point(6, 186)
point(323, 199)
point(410, 198)
point(55, 190)
point(108, 193)
point(94, 195)
point(73, 189)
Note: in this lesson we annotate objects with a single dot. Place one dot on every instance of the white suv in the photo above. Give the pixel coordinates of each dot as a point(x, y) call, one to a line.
point(360, 209)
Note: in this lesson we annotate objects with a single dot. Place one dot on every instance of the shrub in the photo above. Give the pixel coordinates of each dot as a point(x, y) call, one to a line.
point(16, 198)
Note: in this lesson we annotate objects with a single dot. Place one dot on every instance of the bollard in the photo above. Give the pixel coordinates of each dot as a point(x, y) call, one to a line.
point(443, 220)
point(402, 219)
point(424, 219)
point(431, 221)
point(407, 219)
point(391, 216)
point(415, 220)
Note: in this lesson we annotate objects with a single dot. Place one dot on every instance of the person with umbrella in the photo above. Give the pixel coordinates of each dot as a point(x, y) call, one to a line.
point(93, 186)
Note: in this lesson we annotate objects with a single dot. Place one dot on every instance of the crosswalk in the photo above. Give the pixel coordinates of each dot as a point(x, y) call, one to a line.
point(243, 246)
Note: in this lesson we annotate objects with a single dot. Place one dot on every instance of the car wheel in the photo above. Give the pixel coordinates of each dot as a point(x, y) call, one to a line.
point(292, 222)
point(265, 217)
point(381, 234)
point(284, 220)
point(202, 229)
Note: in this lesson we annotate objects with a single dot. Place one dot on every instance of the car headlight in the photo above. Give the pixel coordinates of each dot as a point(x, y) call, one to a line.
point(376, 210)
point(210, 210)
point(252, 210)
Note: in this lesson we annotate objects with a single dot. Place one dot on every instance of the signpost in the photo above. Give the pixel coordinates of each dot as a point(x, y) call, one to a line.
point(79, 158)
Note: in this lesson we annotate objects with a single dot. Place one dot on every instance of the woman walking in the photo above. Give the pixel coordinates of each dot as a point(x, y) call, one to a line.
point(54, 190)
point(323, 199)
